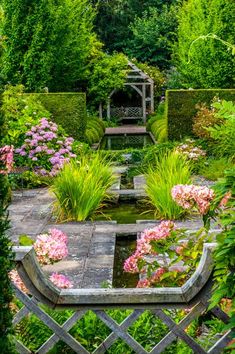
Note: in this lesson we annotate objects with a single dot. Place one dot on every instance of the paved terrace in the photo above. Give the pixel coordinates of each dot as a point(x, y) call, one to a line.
point(91, 244)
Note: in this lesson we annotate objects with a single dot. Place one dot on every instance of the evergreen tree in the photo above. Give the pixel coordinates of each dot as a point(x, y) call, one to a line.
point(206, 63)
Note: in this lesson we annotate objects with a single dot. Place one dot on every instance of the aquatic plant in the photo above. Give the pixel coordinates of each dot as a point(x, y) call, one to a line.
point(80, 188)
point(168, 170)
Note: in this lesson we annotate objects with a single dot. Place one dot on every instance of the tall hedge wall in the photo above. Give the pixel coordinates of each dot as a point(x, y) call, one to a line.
point(68, 109)
point(180, 108)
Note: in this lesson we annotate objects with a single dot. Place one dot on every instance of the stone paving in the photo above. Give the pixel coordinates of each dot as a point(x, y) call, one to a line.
point(91, 244)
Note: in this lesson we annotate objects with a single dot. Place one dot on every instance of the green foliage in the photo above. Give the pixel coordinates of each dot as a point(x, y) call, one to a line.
point(59, 34)
point(95, 130)
point(155, 74)
point(208, 63)
point(108, 73)
point(20, 111)
point(136, 27)
point(214, 169)
point(157, 124)
point(204, 119)
point(223, 135)
point(159, 130)
point(81, 187)
point(181, 108)
point(6, 264)
point(224, 254)
point(152, 35)
point(68, 110)
point(169, 169)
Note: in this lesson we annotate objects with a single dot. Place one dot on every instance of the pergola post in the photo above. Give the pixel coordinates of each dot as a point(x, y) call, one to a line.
point(144, 102)
point(152, 97)
point(108, 109)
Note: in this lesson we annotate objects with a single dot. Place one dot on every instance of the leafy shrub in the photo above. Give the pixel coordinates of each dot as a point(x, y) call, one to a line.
point(205, 118)
point(95, 130)
point(6, 256)
point(159, 130)
point(165, 241)
point(224, 134)
point(213, 168)
point(68, 110)
point(20, 111)
point(157, 124)
point(80, 188)
point(224, 254)
point(149, 155)
point(169, 169)
point(46, 148)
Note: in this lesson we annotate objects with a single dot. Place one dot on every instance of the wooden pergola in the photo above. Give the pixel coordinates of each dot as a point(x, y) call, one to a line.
point(144, 86)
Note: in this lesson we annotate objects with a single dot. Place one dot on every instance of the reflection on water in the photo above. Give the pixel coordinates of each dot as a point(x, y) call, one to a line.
point(121, 142)
point(125, 246)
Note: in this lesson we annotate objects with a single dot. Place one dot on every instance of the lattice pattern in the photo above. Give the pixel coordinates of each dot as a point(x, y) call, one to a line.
point(126, 112)
point(31, 305)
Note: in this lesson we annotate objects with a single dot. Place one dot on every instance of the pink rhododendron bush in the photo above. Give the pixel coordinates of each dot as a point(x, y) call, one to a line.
point(166, 255)
point(50, 247)
point(46, 149)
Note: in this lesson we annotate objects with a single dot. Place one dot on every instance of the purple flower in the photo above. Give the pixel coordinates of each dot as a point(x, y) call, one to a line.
point(50, 151)
point(34, 159)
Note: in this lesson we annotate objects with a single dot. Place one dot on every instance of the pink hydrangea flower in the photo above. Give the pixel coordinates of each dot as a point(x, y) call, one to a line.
point(143, 283)
point(188, 196)
point(15, 278)
point(162, 231)
point(61, 281)
point(51, 247)
point(6, 157)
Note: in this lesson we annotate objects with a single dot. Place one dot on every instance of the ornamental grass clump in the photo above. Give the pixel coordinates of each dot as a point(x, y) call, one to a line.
point(81, 188)
point(168, 170)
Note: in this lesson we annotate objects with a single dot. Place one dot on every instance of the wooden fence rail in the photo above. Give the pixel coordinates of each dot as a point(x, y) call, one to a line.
point(193, 295)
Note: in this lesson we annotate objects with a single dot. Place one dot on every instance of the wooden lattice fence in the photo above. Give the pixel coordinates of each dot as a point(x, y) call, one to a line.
point(126, 112)
point(193, 295)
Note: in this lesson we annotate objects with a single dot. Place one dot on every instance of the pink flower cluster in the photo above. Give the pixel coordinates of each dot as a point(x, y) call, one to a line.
point(61, 281)
point(15, 278)
point(51, 247)
point(148, 282)
point(188, 196)
point(6, 157)
point(190, 151)
point(144, 246)
point(46, 149)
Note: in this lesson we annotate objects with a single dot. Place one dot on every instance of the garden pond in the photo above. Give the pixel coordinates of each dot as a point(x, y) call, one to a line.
point(125, 141)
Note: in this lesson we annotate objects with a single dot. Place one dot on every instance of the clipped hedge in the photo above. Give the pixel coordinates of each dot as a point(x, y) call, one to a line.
point(95, 130)
point(181, 108)
point(68, 110)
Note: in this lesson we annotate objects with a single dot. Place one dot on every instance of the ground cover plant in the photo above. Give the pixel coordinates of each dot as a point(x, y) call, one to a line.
point(168, 169)
point(81, 188)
